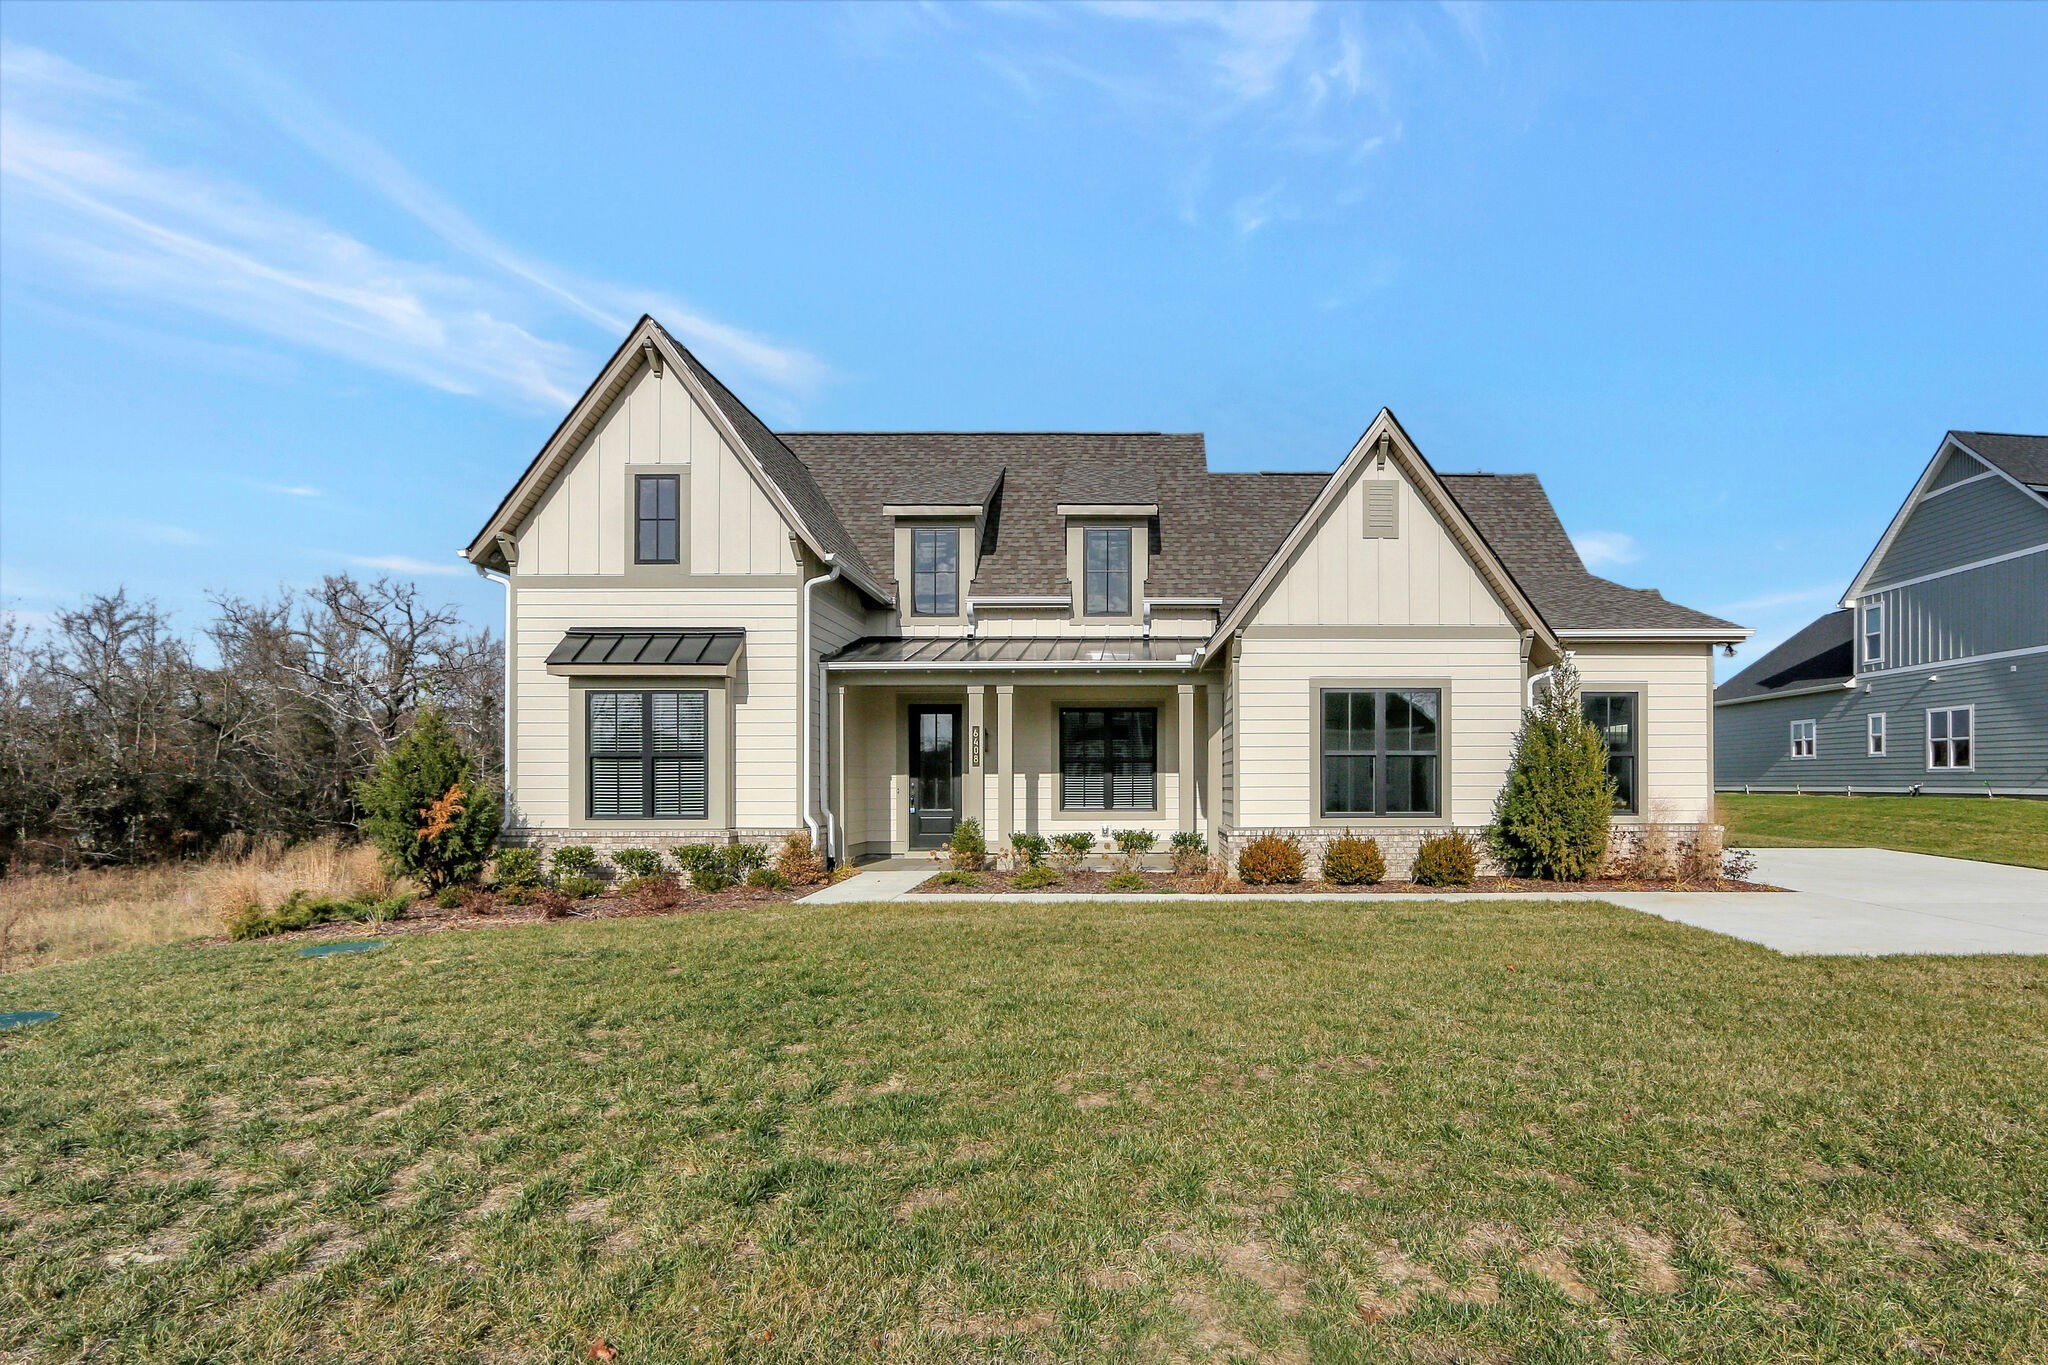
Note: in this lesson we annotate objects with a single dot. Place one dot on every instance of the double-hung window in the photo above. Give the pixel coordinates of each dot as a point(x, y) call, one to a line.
point(1951, 738)
point(1106, 571)
point(1109, 758)
point(656, 519)
point(1805, 741)
point(935, 571)
point(1613, 714)
point(1380, 751)
point(1874, 732)
point(1873, 632)
point(649, 755)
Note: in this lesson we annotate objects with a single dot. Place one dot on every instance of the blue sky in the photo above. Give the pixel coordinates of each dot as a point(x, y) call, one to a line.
point(292, 289)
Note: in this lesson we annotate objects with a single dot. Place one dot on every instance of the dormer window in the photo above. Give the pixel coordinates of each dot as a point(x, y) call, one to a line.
point(656, 499)
point(1106, 571)
point(935, 571)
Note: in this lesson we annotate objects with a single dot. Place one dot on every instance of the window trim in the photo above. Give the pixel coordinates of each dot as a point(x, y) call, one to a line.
point(1876, 739)
point(718, 740)
point(1130, 572)
point(1970, 710)
point(648, 756)
point(917, 611)
point(1870, 654)
point(1059, 749)
point(1812, 738)
point(1635, 692)
point(1446, 743)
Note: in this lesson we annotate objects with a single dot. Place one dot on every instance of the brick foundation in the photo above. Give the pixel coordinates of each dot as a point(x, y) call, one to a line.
point(607, 842)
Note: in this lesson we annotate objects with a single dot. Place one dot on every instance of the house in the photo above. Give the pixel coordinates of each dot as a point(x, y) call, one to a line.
point(717, 631)
point(1933, 674)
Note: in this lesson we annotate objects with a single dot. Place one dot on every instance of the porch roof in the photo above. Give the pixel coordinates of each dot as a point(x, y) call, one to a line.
point(921, 653)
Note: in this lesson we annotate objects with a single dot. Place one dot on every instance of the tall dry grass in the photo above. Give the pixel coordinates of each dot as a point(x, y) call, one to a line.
point(65, 916)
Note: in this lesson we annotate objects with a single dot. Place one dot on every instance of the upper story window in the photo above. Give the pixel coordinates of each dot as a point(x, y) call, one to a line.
point(1805, 740)
point(1106, 571)
point(656, 521)
point(935, 571)
point(1613, 714)
point(1873, 632)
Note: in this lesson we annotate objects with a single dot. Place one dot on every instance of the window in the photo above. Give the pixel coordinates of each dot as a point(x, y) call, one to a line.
point(655, 498)
point(1380, 751)
point(1873, 632)
point(935, 571)
point(1613, 714)
point(1951, 734)
point(1109, 759)
point(649, 755)
point(1803, 741)
point(1106, 571)
point(1874, 728)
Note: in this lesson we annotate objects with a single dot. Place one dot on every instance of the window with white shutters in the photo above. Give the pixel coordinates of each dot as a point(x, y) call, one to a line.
point(649, 755)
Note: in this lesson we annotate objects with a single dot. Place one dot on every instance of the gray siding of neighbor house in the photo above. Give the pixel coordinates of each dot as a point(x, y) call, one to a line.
point(1987, 610)
point(1976, 521)
point(1752, 740)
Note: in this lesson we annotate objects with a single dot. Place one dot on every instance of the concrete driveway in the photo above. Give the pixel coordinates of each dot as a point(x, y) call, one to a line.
point(1860, 901)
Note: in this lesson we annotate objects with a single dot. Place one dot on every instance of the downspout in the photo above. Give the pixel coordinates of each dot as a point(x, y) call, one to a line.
point(808, 613)
point(505, 708)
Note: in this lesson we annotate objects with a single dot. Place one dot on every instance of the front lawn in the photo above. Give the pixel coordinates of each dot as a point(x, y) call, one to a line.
point(1993, 831)
point(1303, 1131)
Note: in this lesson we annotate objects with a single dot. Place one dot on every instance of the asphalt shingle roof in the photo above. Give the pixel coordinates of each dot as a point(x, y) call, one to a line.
point(2023, 457)
point(1820, 654)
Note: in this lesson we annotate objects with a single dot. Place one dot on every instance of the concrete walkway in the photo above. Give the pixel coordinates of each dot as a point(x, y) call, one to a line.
point(1838, 901)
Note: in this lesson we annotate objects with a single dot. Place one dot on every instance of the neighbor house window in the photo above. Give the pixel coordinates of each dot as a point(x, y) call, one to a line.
point(1873, 632)
point(1803, 738)
point(1106, 571)
point(935, 571)
point(1109, 758)
point(1875, 730)
point(1380, 751)
point(1951, 736)
point(655, 520)
point(1613, 714)
point(649, 755)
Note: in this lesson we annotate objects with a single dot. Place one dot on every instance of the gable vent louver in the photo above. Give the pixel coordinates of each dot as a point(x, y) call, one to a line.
point(1382, 510)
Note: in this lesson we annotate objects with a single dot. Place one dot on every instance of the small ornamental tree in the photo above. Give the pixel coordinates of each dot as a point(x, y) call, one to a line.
point(1551, 818)
point(425, 810)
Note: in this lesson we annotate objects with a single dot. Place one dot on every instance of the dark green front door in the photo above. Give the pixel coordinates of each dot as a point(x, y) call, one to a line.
point(934, 774)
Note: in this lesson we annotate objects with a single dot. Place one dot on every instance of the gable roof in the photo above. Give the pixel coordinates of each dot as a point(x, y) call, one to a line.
point(1820, 656)
point(2021, 460)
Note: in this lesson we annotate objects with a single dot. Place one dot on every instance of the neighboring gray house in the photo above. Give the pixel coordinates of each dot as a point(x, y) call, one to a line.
point(1934, 674)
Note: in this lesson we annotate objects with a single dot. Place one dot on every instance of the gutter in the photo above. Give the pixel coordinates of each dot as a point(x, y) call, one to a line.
point(808, 614)
point(505, 708)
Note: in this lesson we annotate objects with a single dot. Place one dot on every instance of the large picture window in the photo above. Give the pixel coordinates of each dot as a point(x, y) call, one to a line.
point(1381, 750)
point(1951, 738)
point(1106, 571)
point(649, 755)
point(1613, 714)
point(656, 519)
point(935, 571)
point(1109, 758)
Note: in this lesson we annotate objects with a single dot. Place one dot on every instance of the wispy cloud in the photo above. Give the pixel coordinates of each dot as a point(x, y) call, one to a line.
point(407, 564)
point(1604, 549)
point(159, 533)
point(1824, 593)
point(293, 490)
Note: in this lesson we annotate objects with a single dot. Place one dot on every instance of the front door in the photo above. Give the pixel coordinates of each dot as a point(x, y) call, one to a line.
point(934, 774)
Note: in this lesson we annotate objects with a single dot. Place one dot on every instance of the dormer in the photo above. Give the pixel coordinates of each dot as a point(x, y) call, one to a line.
point(938, 546)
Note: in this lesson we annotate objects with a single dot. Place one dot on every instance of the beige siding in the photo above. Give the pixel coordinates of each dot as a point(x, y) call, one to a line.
point(841, 619)
point(1677, 724)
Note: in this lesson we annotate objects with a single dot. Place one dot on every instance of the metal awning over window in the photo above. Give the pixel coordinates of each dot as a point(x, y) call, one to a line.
point(916, 654)
point(618, 650)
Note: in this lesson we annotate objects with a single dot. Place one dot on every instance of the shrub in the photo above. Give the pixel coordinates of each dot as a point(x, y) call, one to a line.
point(302, 910)
point(638, 862)
point(690, 857)
point(967, 849)
point(1131, 847)
point(1189, 853)
point(958, 876)
point(1738, 865)
point(1352, 861)
point(573, 860)
point(449, 898)
point(1069, 849)
point(1551, 817)
point(1028, 850)
point(1447, 859)
point(1035, 878)
point(517, 867)
point(798, 862)
point(1270, 859)
point(1127, 881)
point(742, 859)
point(551, 903)
point(710, 874)
point(425, 810)
point(766, 879)
point(578, 887)
point(1217, 876)
point(519, 895)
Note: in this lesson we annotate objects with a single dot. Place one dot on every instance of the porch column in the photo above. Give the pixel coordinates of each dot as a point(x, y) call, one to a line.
point(1184, 717)
point(1006, 766)
point(1212, 770)
point(976, 767)
point(836, 746)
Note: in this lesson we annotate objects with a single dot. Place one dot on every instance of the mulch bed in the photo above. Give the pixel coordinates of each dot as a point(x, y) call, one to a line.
point(1091, 880)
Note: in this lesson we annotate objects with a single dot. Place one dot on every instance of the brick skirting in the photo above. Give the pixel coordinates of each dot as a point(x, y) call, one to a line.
point(607, 842)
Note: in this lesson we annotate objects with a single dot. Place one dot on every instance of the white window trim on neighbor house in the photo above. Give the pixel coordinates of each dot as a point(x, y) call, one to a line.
point(1874, 737)
point(1805, 734)
point(1948, 739)
point(1873, 635)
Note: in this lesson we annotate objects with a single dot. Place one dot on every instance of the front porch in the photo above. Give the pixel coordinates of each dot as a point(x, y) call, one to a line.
point(916, 750)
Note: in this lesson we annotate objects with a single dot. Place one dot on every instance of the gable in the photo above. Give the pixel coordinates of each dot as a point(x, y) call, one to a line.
point(1957, 466)
point(581, 522)
point(1959, 522)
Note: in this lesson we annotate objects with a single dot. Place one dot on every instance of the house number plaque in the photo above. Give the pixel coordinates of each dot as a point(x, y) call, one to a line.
point(974, 746)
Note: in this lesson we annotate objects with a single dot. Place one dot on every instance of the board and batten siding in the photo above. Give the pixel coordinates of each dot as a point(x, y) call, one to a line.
point(1967, 523)
point(1986, 610)
point(1675, 721)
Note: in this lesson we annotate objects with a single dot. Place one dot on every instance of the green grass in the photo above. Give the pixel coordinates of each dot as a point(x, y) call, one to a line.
point(1304, 1131)
point(1993, 831)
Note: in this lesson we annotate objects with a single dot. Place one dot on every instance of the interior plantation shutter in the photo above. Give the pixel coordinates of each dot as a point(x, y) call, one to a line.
point(682, 770)
point(1382, 510)
point(650, 755)
point(617, 765)
point(1131, 759)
